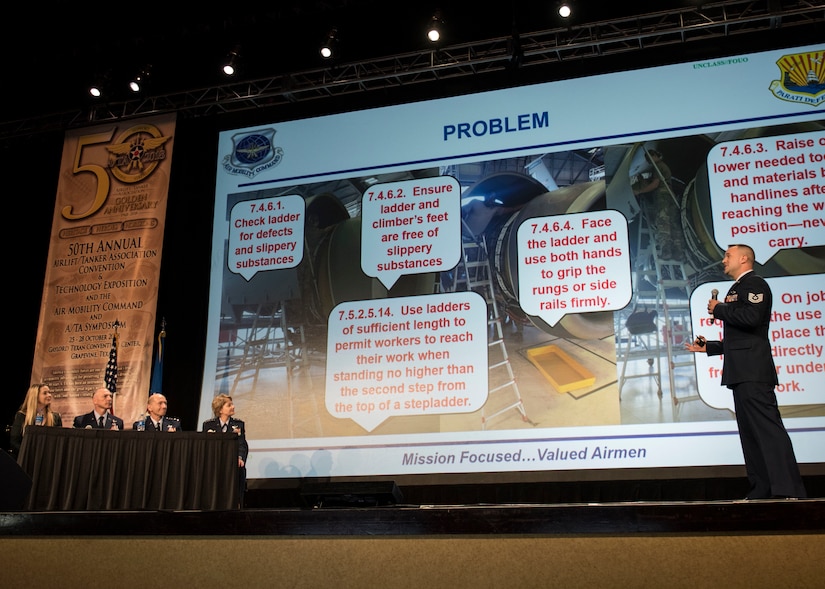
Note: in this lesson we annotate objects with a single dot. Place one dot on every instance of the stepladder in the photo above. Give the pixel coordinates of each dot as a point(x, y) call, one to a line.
point(662, 288)
point(475, 274)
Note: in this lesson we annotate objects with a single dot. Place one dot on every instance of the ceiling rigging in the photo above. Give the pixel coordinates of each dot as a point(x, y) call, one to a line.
point(674, 28)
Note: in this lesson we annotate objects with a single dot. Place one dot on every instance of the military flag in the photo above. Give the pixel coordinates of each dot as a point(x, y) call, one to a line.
point(157, 368)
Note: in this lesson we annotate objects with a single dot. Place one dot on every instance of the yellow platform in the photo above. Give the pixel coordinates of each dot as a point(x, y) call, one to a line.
point(563, 372)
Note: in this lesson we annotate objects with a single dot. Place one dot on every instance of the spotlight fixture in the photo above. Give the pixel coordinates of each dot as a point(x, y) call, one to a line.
point(329, 45)
point(100, 86)
point(230, 64)
point(564, 10)
point(138, 83)
point(434, 30)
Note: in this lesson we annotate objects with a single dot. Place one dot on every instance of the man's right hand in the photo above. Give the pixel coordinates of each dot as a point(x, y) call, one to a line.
point(698, 345)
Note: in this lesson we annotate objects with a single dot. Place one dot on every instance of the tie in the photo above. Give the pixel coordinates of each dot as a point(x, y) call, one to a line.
point(157, 426)
point(100, 421)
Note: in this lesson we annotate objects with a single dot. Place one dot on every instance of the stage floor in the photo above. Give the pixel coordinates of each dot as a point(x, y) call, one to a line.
point(625, 518)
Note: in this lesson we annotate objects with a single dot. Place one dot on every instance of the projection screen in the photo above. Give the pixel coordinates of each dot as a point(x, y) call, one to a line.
point(475, 284)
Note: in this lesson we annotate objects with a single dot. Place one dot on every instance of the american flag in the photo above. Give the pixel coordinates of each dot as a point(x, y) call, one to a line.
point(111, 367)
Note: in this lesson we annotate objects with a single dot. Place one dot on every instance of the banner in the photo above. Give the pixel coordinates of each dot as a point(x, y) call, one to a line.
point(101, 283)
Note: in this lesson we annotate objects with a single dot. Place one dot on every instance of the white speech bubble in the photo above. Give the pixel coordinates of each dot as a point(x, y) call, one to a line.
point(266, 234)
point(769, 192)
point(575, 263)
point(420, 355)
point(410, 227)
point(796, 333)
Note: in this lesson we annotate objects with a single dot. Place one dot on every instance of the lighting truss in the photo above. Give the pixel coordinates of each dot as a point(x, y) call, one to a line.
point(593, 40)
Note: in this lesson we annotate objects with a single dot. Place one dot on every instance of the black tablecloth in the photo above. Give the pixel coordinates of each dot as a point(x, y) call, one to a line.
point(94, 469)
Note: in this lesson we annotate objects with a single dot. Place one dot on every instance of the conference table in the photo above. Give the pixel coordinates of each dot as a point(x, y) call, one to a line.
point(96, 469)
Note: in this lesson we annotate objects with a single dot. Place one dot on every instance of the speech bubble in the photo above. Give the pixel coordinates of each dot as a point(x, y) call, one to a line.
point(266, 234)
point(796, 333)
point(574, 263)
point(420, 355)
point(769, 192)
point(410, 227)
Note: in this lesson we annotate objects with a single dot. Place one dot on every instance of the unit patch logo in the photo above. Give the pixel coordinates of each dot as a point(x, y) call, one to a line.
point(803, 78)
point(136, 153)
point(252, 153)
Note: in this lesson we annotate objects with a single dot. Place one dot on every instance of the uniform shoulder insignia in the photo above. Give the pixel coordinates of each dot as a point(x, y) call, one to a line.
point(756, 298)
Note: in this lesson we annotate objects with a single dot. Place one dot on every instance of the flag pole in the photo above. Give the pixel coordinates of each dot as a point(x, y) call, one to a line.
point(110, 377)
point(156, 385)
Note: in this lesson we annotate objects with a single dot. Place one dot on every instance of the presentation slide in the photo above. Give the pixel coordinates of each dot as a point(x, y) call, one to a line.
point(505, 281)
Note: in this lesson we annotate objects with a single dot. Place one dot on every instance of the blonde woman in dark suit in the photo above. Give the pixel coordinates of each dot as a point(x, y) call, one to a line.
point(35, 410)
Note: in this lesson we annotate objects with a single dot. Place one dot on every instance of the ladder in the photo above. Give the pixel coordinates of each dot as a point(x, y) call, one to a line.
point(671, 275)
point(503, 393)
point(646, 347)
point(656, 281)
point(256, 344)
point(268, 342)
point(298, 365)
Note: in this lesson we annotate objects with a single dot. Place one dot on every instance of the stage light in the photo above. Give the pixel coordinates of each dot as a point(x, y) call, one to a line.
point(138, 83)
point(101, 85)
point(564, 10)
point(230, 64)
point(434, 30)
point(328, 47)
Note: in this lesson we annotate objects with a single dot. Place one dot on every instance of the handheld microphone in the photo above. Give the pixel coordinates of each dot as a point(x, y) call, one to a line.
point(714, 293)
